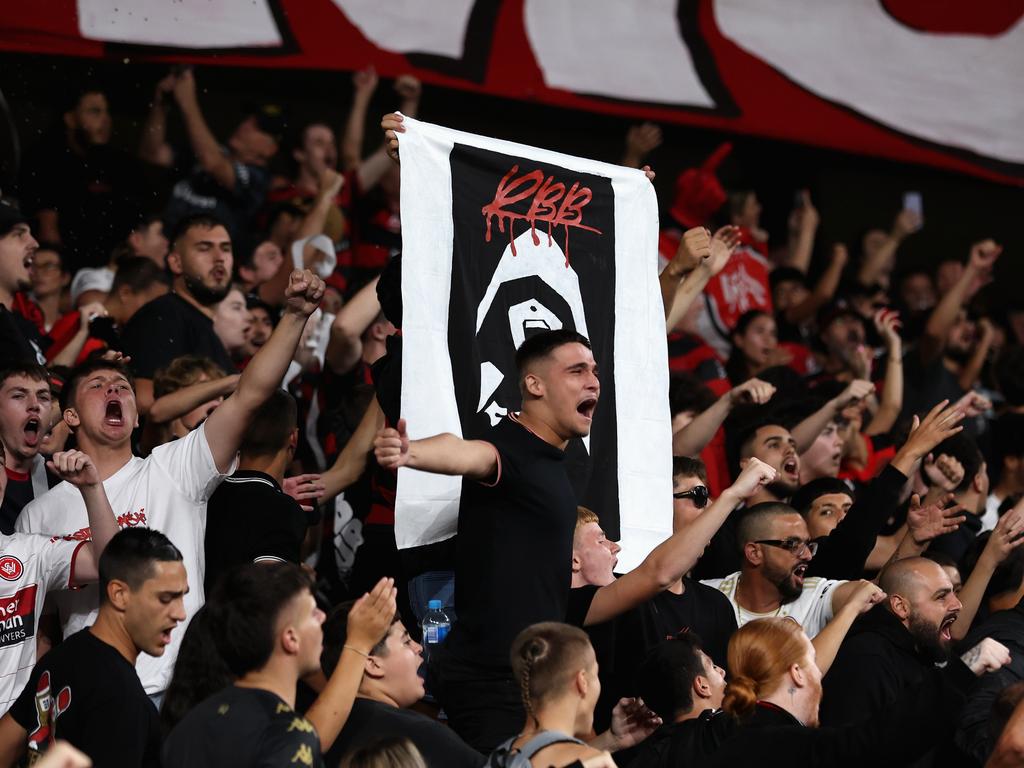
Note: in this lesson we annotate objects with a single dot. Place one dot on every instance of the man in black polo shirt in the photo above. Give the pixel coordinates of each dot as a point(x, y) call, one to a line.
point(86, 689)
point(181, 322)
point(517, 506)
point(249, 518)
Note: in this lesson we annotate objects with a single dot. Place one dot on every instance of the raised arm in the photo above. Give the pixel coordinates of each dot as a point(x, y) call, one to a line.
point(368, 621)
point(345, 346)
point(153, 146)
point(824, 289)
point(807, 431)
point(863, 596)
point(204, 144)
point(1001, 543)
point(674, 557)
point(878, 263)
point(888, 325)
point(373, 168)
point(351, 462)
point(691, 439)
point(227, 424)
point(694, 247)
point(979, 266)
point(181, 401)
point(443, 454)
point(641, 140)
point(77, 468)
point(803, 225)
point(364, 83)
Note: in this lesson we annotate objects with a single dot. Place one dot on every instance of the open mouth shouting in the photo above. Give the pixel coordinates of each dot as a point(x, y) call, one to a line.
point(114, 414)
point(586, 407)
point(791, 466)
point(946, 628)
point(32, 429)
point(799, 573)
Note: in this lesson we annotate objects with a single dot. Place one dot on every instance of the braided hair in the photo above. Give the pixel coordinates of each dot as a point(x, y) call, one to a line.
point(545, 657)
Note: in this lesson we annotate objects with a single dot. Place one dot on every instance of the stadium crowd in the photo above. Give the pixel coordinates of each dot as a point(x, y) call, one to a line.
point(201, 428)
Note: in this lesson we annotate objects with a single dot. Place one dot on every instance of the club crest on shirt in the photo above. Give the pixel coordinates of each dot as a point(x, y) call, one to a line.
point(11, 568)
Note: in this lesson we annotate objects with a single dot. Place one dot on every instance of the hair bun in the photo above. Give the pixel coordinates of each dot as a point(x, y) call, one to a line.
point(740, 696)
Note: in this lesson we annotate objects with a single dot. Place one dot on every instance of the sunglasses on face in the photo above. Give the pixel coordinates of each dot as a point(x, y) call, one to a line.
point(793, 545)
point(699, 494)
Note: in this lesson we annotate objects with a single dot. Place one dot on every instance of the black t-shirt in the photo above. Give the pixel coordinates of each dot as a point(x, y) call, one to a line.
point(701, 609)
point(200, 192)
point(372, 721)
point(514, 547)
point(243, 728)
point(20, 491)
point(169, 327)
point(20, 340)
point(926, 384)
point(249, 517)
point(84, 691)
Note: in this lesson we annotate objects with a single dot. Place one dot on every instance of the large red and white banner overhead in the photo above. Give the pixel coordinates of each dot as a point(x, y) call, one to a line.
point(933, 82)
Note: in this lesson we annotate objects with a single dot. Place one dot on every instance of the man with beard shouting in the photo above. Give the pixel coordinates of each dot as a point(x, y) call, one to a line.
point(776, 550)
point(181, 322)
point(892, 647)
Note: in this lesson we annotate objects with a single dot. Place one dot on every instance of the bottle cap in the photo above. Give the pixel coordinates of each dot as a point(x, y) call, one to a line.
point(434, 605)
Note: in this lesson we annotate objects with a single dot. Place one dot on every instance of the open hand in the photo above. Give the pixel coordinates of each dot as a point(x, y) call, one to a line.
point(304, 488)
point(724, 243)
point(929, 522)
point(1006, 536)
point(372, 615)
point(642, 139)
point(632, 722)
point(365, 80)
point(941, 422)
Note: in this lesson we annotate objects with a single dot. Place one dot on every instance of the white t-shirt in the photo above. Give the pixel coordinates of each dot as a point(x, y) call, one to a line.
point(30, 566)
point(813, 609)
point(167, 491)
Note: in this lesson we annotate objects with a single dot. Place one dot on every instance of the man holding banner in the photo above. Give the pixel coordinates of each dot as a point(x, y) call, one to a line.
point(521, 266)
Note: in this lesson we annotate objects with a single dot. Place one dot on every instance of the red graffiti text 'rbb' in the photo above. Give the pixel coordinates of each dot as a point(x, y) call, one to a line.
point(550, 203)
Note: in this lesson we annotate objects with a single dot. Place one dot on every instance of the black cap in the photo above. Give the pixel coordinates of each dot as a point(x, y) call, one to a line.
point(269, 118)
point(10, 217)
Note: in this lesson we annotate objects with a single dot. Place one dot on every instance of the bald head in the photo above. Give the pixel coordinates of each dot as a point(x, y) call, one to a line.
point(909, 576)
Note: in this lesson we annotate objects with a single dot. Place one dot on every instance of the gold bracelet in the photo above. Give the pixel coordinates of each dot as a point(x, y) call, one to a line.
point(355, 650)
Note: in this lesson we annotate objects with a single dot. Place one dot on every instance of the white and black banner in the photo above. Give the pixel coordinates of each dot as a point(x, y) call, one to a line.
point(503, 240)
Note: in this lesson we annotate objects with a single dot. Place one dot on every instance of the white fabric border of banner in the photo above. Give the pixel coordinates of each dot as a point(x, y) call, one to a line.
point(426, 505)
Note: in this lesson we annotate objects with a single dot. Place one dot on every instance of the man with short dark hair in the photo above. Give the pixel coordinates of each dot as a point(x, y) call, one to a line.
point(266, 626)
point(86, 690)
point(249, 518)
point(25, 413)
point(181, 323)
point(390, 686)
point(516, 498)
point(170, 488)
point(680, 682)
point(777, 549)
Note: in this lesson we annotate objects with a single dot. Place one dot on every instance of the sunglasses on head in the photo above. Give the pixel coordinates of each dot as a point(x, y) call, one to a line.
point(699, 494)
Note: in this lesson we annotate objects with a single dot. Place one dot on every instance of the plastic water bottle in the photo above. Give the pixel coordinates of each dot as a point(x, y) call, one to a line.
point(435, 626)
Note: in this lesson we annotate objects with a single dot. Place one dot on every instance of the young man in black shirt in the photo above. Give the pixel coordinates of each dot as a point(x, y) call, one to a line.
point(517, 506)
point(266, 626)
point(181, 322)
point(86, 690)
point(390, 686)
point(249, 518)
